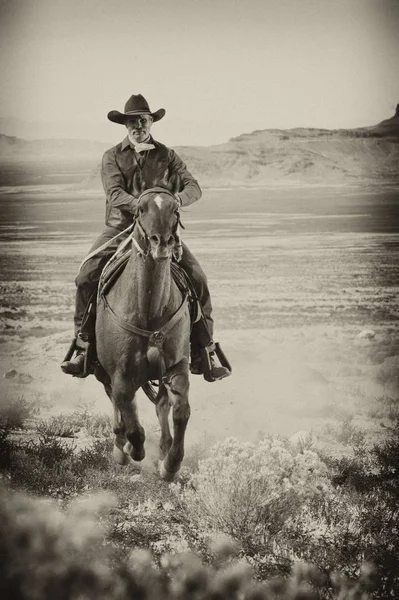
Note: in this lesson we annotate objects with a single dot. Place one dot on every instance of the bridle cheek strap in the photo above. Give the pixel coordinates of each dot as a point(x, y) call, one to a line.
point(144, 237)
point(177, 249)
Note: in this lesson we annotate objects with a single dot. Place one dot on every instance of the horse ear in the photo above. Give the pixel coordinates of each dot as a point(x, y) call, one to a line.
point(175, 183)
point(138, 183)
point(165, 179)
point(172, 182)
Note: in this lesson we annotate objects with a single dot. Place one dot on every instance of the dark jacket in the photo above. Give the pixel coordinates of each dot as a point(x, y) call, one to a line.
point(118, 167)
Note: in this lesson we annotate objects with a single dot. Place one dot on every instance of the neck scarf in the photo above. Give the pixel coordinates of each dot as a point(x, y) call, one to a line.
point(142, 146)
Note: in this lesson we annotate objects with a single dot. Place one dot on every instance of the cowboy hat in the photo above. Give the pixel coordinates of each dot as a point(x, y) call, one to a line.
point(136, 105)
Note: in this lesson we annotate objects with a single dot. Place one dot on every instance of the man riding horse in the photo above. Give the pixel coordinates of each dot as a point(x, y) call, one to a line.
point(140, 152)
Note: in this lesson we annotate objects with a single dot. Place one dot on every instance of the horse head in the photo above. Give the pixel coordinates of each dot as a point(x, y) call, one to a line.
point(158, 217)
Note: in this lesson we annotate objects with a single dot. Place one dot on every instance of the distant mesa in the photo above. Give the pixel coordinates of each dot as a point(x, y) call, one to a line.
point(389, 127)
point(301, 155)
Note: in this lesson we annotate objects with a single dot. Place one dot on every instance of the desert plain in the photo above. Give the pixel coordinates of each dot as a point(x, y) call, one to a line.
point(304, 282)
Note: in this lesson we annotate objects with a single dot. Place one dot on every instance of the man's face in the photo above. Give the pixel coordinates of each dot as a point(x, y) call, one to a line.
point(138, 127)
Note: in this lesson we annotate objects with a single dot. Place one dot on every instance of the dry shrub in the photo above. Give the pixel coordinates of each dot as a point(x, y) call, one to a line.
point(15, 411)
point(281, 505)
point(250, 491)
point(50, 554)
point(97, 425)
point(47, 553)
point(58, 426)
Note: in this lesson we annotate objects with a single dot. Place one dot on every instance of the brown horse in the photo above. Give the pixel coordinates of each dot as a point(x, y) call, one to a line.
point(143, 332)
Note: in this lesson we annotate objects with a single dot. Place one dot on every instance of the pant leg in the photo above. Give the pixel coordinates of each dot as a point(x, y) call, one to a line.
point(202, 332)
point(89, 274)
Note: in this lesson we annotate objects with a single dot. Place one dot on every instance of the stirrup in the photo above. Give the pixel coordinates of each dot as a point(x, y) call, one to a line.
point(207, 363)
point(88, 367)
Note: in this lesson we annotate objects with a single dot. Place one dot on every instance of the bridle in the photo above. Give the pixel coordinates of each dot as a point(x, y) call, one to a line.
point(144, 252)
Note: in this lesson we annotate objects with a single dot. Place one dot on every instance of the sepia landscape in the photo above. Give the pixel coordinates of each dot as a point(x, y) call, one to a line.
point(297, 231)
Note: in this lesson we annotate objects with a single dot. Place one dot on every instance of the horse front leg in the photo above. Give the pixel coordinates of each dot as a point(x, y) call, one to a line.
point(162, 409)
point(118, 426)
point(177, 387)
point(119, 430)
point(128, 427)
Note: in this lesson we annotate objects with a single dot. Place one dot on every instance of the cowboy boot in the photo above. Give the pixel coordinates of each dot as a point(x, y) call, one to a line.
point(85, 318)
point(217, 372)
point(75, 366)
point(204, 363)
point(74, 361)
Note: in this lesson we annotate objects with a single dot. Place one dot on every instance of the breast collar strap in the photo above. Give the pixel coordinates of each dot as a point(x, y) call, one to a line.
point(156, 338)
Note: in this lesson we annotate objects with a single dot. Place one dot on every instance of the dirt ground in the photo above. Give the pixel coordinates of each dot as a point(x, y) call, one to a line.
point(304, 286)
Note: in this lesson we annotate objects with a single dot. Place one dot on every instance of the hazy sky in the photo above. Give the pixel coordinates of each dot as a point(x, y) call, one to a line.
point(218, 67)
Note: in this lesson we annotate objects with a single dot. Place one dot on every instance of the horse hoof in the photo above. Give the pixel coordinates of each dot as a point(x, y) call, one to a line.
point(119, 456)
point(136, 455)
point(166, 475)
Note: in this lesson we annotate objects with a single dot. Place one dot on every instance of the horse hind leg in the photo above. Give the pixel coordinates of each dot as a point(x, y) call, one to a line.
point(177, 388)
point(128, 427)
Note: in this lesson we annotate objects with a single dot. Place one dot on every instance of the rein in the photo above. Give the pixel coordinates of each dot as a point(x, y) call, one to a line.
point(111, 241)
